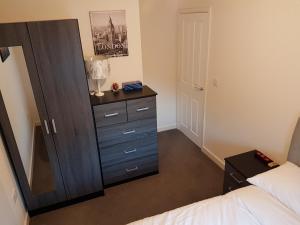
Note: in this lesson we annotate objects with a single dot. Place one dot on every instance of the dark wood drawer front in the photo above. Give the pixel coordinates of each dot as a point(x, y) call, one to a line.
point(129, 169)
point(110, 114)
point(233, 179)
point(116, 154)
point(229, 184)
point(141, 108)
point(112, 135)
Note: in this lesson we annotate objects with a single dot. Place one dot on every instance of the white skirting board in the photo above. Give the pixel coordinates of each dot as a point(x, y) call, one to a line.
point(214, 157)
point(167, 127)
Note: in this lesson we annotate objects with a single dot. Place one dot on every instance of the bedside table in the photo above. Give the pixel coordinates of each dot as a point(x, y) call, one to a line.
point(239, 168)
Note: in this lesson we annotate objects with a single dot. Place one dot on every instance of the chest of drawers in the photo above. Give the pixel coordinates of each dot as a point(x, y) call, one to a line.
point(127, 134)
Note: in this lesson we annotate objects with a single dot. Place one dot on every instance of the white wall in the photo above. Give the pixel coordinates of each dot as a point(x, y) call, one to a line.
point(122, 68)
point(254, 55)
point(11, 213)
point(158, 29)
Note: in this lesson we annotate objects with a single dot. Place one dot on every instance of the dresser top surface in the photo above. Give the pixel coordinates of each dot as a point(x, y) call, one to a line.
point(110, 97)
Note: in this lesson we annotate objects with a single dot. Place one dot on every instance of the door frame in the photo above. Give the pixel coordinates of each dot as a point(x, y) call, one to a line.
point(204, 9)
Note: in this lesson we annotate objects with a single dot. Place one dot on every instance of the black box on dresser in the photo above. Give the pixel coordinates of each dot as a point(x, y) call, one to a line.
point(126, 126)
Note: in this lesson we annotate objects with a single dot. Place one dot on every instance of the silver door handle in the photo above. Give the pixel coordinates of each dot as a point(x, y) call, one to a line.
point(235, 178)
point(54, 126)
point(111, 115)
point(199, 88)
point(129, 132)
point(46, 126)
point(131, 170)
point(131, 151)
point(142, 109)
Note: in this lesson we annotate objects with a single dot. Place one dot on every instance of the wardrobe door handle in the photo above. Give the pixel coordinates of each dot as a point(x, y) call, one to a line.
point(132, 170)
point(54, 126)
point(46, 126)
point(142, 109)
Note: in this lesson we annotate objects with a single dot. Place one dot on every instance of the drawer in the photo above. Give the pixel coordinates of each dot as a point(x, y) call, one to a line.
point(110, 114)
point(233, 179)
point(229, 184)
point(115, 154)
point(141, 108)
point(116, 134)
point(129, 169)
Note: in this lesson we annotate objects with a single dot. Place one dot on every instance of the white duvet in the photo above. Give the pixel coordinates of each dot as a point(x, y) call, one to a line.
point(245, 206)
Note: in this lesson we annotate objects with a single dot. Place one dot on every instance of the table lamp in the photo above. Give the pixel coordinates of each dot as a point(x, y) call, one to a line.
point(97, 69)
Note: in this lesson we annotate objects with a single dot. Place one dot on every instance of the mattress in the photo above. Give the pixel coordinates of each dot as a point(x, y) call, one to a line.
point(246, 206)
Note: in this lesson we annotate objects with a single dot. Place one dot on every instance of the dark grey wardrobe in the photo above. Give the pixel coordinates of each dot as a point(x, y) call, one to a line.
point(67, 139)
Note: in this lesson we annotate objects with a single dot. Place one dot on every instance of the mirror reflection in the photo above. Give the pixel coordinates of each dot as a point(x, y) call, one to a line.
point(24, 118)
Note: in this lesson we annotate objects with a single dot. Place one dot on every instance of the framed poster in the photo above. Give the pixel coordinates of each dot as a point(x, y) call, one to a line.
point(109, 33)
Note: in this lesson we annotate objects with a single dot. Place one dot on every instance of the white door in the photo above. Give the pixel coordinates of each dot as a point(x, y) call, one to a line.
point(192, 72)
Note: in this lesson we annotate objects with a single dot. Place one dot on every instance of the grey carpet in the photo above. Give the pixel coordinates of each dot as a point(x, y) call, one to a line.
point(186, 176)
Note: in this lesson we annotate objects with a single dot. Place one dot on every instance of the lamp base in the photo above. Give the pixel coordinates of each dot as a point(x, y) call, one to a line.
point(99, 94)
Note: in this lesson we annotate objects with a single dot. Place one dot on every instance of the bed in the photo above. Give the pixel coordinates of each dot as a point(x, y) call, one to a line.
point(273, 200)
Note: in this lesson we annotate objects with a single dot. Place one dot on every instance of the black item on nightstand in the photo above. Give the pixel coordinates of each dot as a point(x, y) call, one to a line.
point(239, 168)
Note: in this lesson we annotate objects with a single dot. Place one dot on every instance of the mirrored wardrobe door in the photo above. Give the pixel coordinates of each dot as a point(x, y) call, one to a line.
point(25, 123)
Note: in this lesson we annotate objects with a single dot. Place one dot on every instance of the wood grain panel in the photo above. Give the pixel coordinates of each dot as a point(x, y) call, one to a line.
point(116, 154)
point(110, 114)
point(58, 53)
point(141, 108)
point(116, 134)
point(130, 169)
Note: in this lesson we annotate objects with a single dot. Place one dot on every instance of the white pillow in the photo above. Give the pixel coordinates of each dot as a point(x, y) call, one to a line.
point(283, 183)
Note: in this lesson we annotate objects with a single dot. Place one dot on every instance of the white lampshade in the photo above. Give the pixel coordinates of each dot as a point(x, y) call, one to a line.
point(97, 69)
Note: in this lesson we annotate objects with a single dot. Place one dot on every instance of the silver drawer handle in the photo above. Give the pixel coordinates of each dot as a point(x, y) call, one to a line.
point(111, 115)
point(46, 126)
point(131, 151)
point(54, 126)
point(235, 178)
point(142, 109)
point(129, 132)
point(132, 170)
